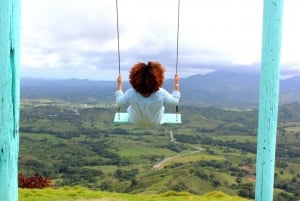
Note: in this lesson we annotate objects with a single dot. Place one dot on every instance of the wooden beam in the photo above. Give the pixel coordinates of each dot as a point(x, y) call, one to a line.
point(268, 99)
point(9, 98)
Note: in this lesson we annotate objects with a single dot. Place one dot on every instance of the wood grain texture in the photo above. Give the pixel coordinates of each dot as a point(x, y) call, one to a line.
point(9, 98)
point(268, 99)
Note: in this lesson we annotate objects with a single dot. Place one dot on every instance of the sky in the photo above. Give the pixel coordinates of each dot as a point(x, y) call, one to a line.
point(78, 38)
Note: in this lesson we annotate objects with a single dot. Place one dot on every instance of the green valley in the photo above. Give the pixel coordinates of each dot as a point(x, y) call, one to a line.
point(214, 150)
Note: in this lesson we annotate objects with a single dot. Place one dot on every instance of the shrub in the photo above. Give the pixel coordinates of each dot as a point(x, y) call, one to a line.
point(36, 181)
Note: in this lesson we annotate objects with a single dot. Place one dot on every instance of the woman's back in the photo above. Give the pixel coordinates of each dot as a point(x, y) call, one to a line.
point(146, 98)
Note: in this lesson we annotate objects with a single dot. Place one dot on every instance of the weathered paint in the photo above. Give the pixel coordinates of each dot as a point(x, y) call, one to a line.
point(268, 99)
point(9, 98)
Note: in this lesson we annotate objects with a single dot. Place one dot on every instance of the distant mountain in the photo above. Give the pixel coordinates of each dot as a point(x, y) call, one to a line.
point(290, 90)
point(74, 90)
point(232, 88)
point(219, 88)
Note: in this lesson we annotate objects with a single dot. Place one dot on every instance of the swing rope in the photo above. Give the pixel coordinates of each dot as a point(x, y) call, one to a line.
point(177, 42)
point(118, 33)
point(177, 47)
point(119, 58)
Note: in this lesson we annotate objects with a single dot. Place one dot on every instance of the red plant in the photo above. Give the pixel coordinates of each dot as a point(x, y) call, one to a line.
point(36, 181)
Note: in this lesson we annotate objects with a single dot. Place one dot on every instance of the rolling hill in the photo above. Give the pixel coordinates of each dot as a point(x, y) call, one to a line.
point(219, 88)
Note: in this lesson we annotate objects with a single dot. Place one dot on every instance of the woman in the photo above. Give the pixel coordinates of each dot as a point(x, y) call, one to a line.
point(146, 98)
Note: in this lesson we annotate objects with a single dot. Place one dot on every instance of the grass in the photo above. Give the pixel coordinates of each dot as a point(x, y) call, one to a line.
point(82, 194)
point(40, 136)
point(230, 137)
point(130, 148)
point(192, 158)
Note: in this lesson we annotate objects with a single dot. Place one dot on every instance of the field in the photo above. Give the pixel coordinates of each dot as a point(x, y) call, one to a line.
point(214, 150)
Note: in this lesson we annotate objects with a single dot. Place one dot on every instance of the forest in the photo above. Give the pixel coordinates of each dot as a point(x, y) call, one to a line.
point(214, 149)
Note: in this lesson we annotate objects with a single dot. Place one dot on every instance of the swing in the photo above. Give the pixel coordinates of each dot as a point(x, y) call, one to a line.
point(168, 118)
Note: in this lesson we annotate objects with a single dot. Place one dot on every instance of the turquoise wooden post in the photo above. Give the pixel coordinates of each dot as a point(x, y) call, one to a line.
point(268, 100)
point(9, 98)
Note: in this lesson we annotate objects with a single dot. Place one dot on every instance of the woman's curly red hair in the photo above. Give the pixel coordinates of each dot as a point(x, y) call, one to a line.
point(147, 78)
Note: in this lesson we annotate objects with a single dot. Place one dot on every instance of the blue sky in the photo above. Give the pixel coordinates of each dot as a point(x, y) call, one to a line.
point(78, 38)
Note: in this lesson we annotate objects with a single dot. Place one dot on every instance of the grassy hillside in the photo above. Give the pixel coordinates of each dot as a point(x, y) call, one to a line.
point(83, 194)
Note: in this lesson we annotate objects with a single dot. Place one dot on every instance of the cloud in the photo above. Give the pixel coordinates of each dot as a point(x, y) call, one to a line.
point(76, 38)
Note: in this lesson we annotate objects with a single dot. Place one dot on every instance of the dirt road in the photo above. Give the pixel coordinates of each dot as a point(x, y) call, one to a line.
point(158, 165)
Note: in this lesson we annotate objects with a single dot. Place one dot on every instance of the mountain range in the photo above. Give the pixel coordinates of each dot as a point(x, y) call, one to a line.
point(219, 88)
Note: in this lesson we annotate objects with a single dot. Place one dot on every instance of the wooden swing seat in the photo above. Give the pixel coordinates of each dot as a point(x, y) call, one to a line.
point(169, 118)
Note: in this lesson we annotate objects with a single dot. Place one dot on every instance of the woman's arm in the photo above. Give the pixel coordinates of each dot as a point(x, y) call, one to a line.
point(176, 83)
point(175, 96)
point(119, 81)
point(121, 97)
